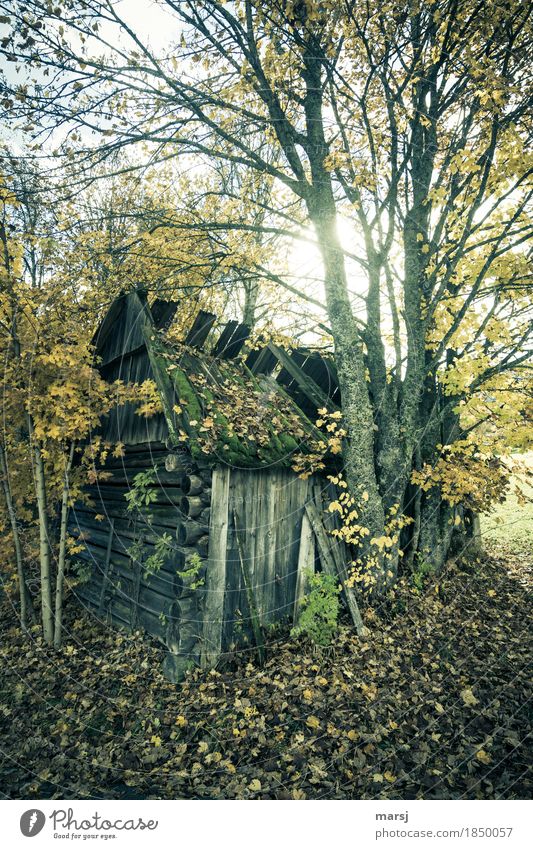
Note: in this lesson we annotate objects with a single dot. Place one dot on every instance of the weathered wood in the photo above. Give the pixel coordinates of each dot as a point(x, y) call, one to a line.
point(189, 532)
point(191, 505)
point(192, 484)
point(160, 494)
point(163, 312)
point(96, 531)
point(202, 545)
point(151, 448)
point(199, 332)
point(134, 461)
point(135, 595)
point(333, 565)
point(216, 570)
point(176, 463)
point(324, 548)
point(306, 565)
point(126, 478)
point(250, 597)
point(231, 340)
point(159, 514)
point(106, 566)
point(306, 384)
point(205, 474)
point(262, 361)
point(341, 557)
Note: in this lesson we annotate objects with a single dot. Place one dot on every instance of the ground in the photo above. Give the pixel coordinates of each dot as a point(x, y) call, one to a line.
point(431, 704)
point(510, 526)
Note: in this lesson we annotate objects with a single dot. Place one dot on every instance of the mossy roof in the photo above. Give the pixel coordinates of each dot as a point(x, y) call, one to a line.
point(213, 404)
point(223, 412)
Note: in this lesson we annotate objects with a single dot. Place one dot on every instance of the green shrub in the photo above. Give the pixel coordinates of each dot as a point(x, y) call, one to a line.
point(320, 610)
point(421, 573)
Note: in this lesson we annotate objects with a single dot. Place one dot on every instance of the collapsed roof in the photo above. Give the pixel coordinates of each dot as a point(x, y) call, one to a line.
point(226, 400)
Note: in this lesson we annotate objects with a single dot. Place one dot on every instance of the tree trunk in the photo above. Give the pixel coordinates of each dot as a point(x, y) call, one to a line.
point(26, 608)
point(436, 529)
point(44, 543)
point(62, 550)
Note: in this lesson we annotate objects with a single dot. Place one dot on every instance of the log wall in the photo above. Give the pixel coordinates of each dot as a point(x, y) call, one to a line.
point(241, 544)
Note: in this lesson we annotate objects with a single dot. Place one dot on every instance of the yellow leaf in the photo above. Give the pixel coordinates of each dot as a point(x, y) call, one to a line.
point(181, 721)
point(377, 777)
point(482, 756)
point(389, 776)
point(156, 740)
point(254, 785)
point(313, 722)
point(468, 697)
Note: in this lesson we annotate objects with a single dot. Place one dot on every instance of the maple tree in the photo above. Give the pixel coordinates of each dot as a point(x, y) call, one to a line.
point(53, 398)
point(407, 120)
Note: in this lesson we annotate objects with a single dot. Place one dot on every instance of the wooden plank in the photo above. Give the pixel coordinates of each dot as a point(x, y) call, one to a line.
point(272, 543)
point(307, 385)
point(199, 332)
point(216, 568)
point(163, 312)
point(306, 564)
point(333, 564)
point(134, 614)
point(324, 549)
point(261, 362)
point(106, 566)
point(250, 596)
point(341, 557)
point(231, 340)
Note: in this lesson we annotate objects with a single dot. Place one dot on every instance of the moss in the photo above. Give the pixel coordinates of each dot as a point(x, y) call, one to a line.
point(185, 391)
point(203, 399)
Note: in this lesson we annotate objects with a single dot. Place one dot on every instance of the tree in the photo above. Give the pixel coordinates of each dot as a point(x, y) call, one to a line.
point(53, 398)
point(408, 119)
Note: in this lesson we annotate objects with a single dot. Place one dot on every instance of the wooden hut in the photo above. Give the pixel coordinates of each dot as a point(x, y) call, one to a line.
point(203, 531)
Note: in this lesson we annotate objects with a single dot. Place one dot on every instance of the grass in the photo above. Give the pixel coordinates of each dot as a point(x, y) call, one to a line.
point(510, 525)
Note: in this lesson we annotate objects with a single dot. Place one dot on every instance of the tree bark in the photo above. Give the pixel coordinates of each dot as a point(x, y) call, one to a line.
point(62, 549)
point(44, 541)
point(26, 608)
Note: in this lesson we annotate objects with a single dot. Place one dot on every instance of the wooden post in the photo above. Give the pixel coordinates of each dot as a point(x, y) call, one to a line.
point(252, 607)
point(333, 565)
point(216, 568)
point(306, 564)
point(106, 567)
point(134, 614)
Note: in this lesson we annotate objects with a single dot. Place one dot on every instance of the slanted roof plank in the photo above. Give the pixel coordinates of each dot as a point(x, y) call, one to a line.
point(306, 384)
point(200, 330)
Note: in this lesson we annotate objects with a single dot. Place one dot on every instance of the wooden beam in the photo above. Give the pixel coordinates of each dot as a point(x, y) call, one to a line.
point(216, 568)
point(306, 384)
point(162, 313)
point(105, 576)
point(306, 565)
point(250, 596)
point(324, 548)
point(333, 564)
point(261, 362)
point(199, 332)
point(231, 340)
